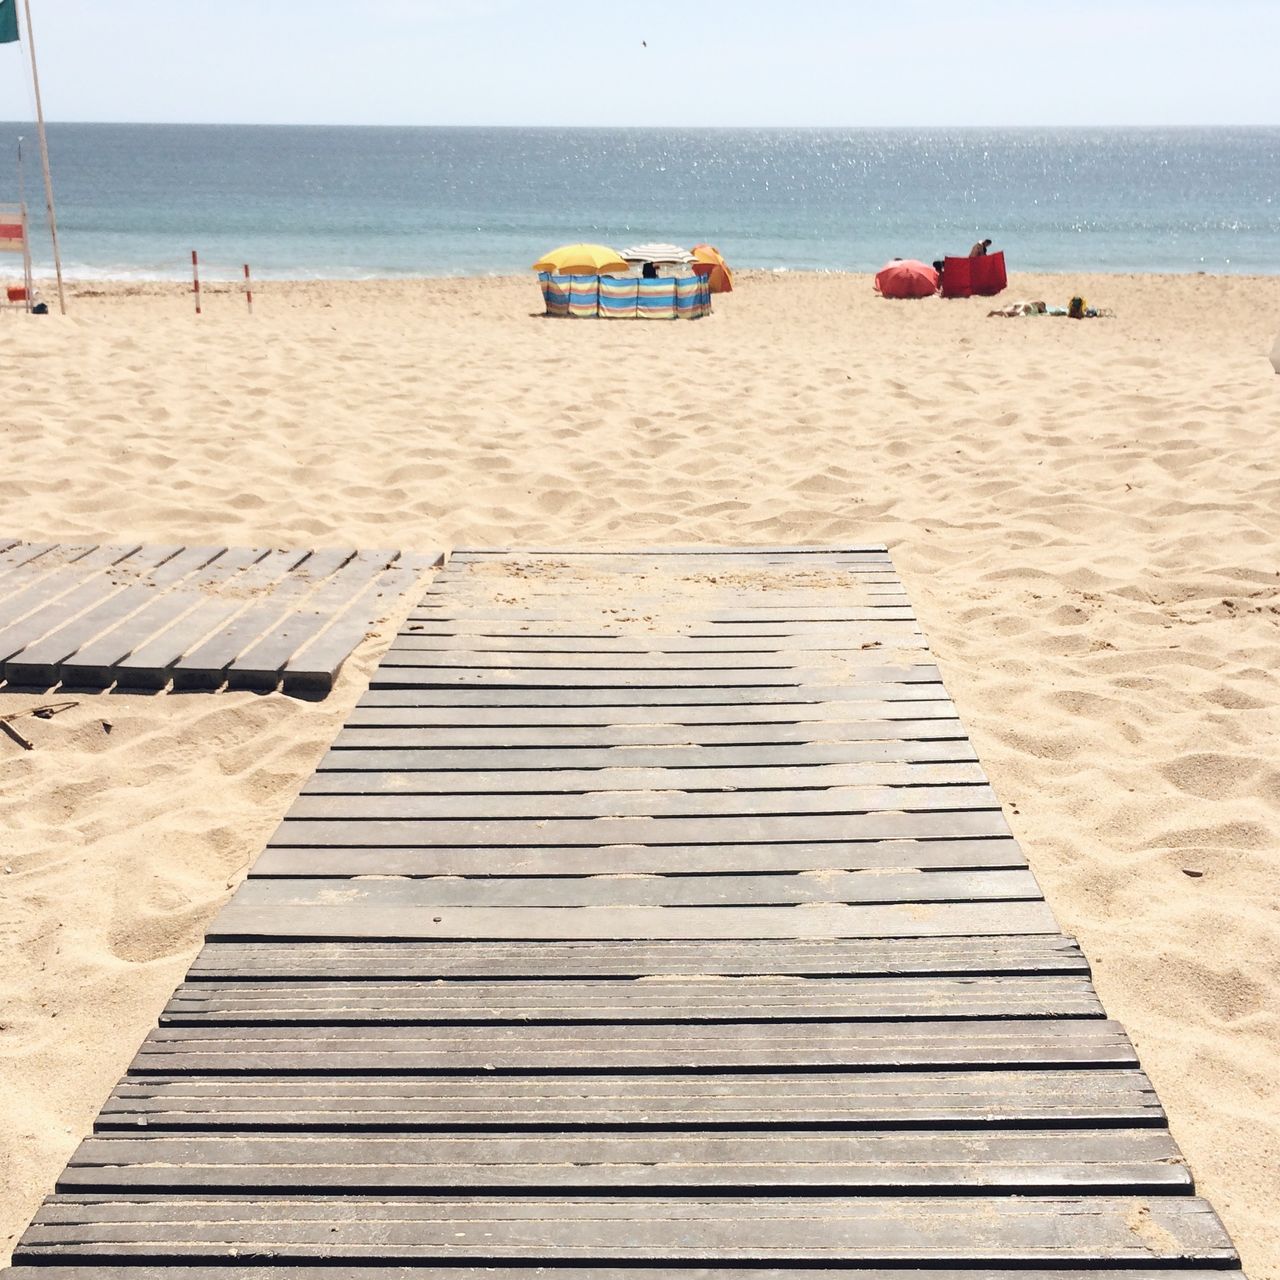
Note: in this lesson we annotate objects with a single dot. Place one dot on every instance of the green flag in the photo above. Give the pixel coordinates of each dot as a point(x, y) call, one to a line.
point(8, 21)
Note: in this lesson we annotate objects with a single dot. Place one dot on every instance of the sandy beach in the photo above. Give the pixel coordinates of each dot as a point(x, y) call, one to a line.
point(1086, 514)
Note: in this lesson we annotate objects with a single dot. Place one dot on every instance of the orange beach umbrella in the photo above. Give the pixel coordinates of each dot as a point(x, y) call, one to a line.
point(906, 278)
point(581, 260)
point(707, 261)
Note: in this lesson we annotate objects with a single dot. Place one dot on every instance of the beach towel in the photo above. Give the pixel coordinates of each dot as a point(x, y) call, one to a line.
point(1021, 309)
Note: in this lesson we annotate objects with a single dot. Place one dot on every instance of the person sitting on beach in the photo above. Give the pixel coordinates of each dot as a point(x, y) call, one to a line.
point(649, 271)
point(979, 250)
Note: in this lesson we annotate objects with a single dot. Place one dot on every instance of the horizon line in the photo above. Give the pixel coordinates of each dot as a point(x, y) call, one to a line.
point(605, 128)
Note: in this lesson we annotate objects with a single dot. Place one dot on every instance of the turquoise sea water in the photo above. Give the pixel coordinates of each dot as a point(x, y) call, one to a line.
point(135, 199)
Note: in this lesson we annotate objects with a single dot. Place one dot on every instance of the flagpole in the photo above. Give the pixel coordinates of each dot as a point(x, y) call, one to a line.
point(44, 160)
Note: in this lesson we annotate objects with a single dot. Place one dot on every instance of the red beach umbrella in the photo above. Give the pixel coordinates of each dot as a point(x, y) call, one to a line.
point(907, 278)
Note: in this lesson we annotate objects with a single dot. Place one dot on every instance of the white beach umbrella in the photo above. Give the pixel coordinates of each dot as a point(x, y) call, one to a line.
point(657, 253)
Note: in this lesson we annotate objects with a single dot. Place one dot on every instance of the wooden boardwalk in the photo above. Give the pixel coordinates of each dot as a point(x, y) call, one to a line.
point(651, 916)
point(135, 617)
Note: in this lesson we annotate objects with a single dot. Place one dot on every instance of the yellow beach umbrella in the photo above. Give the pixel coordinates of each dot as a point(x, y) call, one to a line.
point(708, 262)
point(581, 260)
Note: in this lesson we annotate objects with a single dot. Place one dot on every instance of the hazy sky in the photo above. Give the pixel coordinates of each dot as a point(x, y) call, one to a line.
point(708, 62)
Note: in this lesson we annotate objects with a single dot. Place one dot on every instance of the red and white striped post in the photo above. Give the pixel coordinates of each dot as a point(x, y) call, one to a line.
point(195, 279)
point(248, 288)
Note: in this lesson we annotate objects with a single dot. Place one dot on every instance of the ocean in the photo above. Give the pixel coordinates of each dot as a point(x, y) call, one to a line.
point(134, 200)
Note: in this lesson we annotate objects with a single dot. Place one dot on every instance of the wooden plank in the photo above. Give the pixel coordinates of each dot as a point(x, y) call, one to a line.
point(700, 636)
point(650, 647)
point(647, 804)
point(94, 664)
point(1102, 1161)
point(873, 1230)
point(879, 856)
point(598, 832)
point(138, 582)
point(822, 958)
point(568, 671)
point(865, 1046)
point(315, 667)
point(333, 779)
point(473, 708)
point(205, 666)
point(638, 587)
point(666, 999)
point(512, 1104)
point(262, 664)
point(857, 699)
point(713, 757)
point(670, 614)
point(462, 556)
point(373, 729)
point(640, 890)
point(244, 918)
point(535, 1271)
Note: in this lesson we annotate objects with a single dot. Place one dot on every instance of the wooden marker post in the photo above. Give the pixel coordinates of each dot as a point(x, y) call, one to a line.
point(195, 279)
point(248, 288)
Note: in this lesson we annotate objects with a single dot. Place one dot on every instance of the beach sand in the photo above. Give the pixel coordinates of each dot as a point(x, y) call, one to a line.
point(1086, 514)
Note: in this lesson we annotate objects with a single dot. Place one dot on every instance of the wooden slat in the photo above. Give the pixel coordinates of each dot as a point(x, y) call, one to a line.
point(827, 616)
point(607, 556)
point(480, 1103)
point(333, 779)
point(478, 707)
point(856, 700)
point(693, 1000)
point(876, 1230)
point(648, 803)
point(410, 669)
point(597, 832)
point(1070, 1042)
point(817, 958)
point(1174, 1270)
point(639, 890)
point(409, 729)
point(842, 644)
point(601, 633)
point(882, 856)
point(512, 761)
point(247, 916)
point(1127, 1161)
